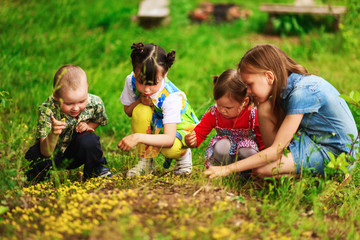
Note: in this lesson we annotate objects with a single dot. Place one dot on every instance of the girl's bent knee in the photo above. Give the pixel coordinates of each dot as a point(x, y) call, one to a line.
point(171, 153)
point(222, 146)
point(246, 152)
point(222, 152)
point(264, 109)
point(175, 151)
point(142, 113)
point(261, 172)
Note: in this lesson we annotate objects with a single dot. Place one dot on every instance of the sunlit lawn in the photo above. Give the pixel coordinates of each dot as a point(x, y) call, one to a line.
point(37, 37)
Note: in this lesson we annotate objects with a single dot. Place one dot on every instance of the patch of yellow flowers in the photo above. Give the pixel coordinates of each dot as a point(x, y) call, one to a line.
point(66, 211)
point(145, 205)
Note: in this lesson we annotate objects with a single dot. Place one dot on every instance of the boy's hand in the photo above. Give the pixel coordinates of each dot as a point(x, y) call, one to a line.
point(57, 126)
point(82, 127)
point(146, 100)
point(217, 171)
point(128, 142)
point(190, 140)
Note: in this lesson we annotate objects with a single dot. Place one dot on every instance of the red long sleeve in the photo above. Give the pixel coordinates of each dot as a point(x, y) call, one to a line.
point(208, 122)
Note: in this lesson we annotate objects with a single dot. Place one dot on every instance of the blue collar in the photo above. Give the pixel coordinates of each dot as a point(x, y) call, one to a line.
point(292, 80)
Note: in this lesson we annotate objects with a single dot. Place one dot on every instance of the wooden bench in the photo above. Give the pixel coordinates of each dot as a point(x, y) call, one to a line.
point(303, 7)
point(153, 13)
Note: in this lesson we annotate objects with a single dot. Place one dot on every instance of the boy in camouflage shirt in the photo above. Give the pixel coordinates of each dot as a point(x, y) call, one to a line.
point(65, 129)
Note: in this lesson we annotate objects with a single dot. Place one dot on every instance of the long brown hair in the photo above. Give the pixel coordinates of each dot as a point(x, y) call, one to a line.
point(268, 57)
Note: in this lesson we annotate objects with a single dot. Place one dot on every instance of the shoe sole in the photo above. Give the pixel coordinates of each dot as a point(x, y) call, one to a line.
point(138, 175)
point(107, 174)
point(182, 173)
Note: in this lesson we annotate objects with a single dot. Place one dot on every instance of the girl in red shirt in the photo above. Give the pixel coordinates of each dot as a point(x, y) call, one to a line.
point(234, 119)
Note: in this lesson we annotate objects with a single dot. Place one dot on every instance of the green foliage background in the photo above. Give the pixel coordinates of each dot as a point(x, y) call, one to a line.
point(37, 37)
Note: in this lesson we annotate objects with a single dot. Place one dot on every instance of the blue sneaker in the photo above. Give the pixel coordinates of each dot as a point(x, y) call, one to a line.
point(167, 163)
point(104, 172)
point(99, 172)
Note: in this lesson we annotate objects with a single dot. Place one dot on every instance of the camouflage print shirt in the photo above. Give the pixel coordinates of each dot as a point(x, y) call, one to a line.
point(94, 112)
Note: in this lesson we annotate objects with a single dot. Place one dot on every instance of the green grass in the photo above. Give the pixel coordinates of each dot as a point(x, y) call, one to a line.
point(37, 37)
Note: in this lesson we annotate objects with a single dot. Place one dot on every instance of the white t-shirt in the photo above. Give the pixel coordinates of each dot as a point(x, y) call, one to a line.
point(171, 107)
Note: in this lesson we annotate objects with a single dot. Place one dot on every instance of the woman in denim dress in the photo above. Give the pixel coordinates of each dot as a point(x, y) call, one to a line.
point(302, 118)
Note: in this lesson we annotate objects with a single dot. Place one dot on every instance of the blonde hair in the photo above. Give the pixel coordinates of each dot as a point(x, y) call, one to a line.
point(268, 57)
point(68, 76)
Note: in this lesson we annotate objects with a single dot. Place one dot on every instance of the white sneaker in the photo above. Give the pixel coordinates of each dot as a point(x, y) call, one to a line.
point(184, 164)
point(144, 166)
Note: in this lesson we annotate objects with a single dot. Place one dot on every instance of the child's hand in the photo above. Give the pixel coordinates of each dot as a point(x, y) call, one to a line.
point(128, 142)
point(146, 100)
point(190, 140)
point(82, 127)
point(57, 126)
point(217, 171)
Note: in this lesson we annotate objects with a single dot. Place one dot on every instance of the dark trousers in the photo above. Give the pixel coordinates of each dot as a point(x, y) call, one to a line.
point(85, 148)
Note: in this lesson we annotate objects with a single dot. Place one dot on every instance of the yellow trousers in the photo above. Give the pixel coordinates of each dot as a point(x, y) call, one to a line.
point(141, 123)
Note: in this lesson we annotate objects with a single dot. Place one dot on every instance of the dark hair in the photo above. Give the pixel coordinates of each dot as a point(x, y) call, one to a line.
point(229, 84)
point(146, 60)
point(68, 75)
point(268, 57)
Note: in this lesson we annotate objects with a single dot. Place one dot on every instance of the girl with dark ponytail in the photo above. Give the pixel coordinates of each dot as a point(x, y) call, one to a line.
point(161, 114)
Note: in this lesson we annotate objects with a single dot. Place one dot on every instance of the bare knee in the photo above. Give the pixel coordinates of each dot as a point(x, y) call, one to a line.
point(264, 110)
point(283, 166)
point(267, 123)
point(260, 172)
point(266, 171)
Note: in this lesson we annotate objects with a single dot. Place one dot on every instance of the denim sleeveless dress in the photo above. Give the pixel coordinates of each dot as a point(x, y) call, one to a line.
point(326, 125)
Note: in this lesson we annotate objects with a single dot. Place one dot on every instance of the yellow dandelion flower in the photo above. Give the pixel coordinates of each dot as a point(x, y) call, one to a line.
point(221, 233)
point(25, 217)
point(203, 229)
